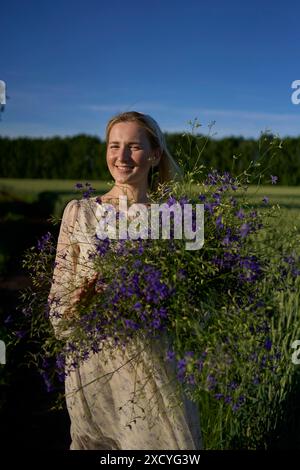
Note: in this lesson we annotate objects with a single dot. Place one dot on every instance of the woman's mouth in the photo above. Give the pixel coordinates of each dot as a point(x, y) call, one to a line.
point(124, 169)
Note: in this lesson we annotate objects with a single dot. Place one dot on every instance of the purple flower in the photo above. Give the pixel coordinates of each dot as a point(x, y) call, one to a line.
point(265, 200)
point(295, 272)
point(191, 379)
point(226, 240)
point(140, 250)
point(43, 241)
point(212, 382)
point(233, 385)
point(219, 223)
point(268, 344)
point(95, 348)
point(78, 185)
point(60, 361)
point(236, 406)
point(274, 179)
point(161, 312)
point(181, 364)
point(289, 259)
point(45, 363)
point(156, 323)
point(171, 201)
point(189, 354)
point(253, 214)
point(181, 274)
point(217, 198)
point(218, 396)
point(20, 334)
point(244, 230)
point(170, 355)
point(102, 246)
point(130, 324)
point(183, 200)
point(137, 306)
point(209, 206)
point(240, 214)
point(251, 268)
point(137, 263)
point(212, 178)
point(181, 368)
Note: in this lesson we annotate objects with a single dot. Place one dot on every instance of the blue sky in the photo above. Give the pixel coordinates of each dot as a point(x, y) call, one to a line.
point(69, 66)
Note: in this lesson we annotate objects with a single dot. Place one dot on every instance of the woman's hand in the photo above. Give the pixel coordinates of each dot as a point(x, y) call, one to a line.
point(85, 292)
point(89, 288)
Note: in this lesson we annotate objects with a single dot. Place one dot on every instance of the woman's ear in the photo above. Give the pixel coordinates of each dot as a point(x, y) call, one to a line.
point(157, 154)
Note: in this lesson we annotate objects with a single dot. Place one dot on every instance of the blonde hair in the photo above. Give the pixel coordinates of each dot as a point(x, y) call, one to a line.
point(168, 169)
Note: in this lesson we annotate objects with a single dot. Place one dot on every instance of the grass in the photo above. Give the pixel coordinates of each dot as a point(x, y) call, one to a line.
point(37, 185)
point(51, 193)
point(285, 195)
point(31, 190)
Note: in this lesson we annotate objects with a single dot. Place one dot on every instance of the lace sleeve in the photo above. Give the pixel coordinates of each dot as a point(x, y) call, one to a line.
point(65, 267)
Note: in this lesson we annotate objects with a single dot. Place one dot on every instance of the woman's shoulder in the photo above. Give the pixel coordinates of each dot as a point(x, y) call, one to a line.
point(87, 209)
point(80, 214)
point(83, 203)
point(79, 209)
point(71, 207)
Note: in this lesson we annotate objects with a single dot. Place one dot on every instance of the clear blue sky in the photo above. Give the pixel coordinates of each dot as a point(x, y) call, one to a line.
point(69, 65)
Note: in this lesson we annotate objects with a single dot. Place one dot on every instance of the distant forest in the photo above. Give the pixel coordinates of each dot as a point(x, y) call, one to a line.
point(83, 156)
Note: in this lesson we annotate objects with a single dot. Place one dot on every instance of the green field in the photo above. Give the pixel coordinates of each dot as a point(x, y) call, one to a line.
point(54, 193)
point(288, 196)
point(38, 185)
point(30, 190)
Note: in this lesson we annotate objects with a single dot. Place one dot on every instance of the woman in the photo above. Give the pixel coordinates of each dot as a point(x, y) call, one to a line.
point(115, 402)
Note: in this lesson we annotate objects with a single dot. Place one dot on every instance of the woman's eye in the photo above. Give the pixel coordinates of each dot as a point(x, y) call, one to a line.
point(132, 147)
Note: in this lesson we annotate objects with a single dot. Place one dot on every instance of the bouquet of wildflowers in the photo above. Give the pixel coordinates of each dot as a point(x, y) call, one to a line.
point(222, 285)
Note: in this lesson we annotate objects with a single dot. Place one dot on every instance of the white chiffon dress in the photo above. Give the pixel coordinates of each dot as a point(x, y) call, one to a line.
point(127, 399)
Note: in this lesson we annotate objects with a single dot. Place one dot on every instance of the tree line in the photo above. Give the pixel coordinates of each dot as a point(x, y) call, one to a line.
point(83, 156)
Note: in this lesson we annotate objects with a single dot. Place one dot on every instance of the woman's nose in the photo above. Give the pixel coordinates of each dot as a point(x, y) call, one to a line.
point(124, 153)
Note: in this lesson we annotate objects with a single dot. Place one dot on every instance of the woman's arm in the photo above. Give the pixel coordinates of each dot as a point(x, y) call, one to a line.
point(63, 292)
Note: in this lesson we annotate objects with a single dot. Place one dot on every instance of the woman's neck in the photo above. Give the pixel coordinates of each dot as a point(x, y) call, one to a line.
point(133, 194)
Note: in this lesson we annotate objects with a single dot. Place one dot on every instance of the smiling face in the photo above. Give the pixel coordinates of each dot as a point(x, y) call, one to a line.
point(128, 153)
